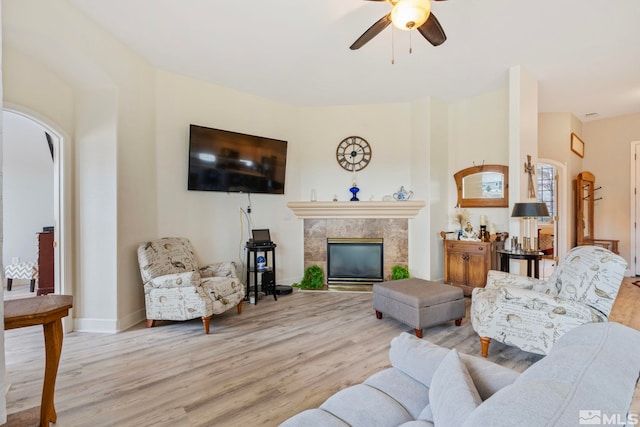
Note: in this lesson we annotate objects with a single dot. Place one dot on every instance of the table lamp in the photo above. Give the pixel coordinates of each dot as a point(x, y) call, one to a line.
point(529, 211)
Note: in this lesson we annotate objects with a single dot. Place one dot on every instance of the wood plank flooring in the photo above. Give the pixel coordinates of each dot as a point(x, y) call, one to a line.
point(275, 360)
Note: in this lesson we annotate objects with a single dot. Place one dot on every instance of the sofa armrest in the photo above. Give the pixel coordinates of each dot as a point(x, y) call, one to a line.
point(219, 269)
point(496, 279)
point(188, 278)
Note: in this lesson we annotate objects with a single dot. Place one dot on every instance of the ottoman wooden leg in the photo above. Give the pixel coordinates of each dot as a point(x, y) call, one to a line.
point(418, 332)
point(9, 283)
point(484, 345)
point(32, 286)
point(458, 322)
point(378, 315)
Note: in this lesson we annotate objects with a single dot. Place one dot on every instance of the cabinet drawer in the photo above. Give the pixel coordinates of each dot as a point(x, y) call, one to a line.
point(477, 249)
point(468, 247)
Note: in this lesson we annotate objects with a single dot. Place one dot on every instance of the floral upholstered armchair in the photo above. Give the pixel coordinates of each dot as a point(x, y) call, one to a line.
point(175, 288)
point(532, 314)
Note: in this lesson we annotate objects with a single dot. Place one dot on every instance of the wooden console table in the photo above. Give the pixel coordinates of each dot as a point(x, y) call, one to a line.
point(48, 311)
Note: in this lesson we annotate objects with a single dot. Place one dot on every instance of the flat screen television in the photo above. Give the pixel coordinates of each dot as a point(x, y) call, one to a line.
point(221, 160)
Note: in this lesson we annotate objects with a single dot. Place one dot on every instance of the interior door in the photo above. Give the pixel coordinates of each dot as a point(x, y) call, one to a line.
point(635, 203)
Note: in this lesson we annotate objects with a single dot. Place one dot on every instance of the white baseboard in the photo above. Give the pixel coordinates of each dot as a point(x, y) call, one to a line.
point(108, 325)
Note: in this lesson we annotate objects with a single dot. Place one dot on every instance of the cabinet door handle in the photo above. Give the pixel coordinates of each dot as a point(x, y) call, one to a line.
point(465, 257)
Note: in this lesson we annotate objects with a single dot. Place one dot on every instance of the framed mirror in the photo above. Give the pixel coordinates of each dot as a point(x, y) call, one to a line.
point(485, 186)
point(584, 208)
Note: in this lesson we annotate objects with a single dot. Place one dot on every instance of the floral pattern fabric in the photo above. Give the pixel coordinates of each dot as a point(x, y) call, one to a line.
point(532, 314)
point(176, 289)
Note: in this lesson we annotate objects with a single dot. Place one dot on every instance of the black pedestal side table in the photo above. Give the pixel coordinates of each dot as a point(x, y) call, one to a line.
point(530, 257)
point(268, 272)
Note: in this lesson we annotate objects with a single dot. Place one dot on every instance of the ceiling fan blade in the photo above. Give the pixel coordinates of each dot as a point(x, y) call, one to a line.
point(432, 31)
point(371, 32)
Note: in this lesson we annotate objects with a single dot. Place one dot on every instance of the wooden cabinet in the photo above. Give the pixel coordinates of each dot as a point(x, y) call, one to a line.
point(466, 263)
point(45, 264)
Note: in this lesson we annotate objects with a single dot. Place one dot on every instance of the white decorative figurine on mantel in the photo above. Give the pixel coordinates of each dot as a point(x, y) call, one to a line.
point(468, 233)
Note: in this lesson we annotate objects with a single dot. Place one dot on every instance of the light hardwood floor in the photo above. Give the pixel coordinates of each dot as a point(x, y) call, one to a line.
point(257, 369)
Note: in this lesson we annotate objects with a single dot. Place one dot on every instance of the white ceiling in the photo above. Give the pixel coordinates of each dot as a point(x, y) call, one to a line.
point(585, 54)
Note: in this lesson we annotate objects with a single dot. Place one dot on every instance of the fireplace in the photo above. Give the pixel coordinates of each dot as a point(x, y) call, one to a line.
point(393, 231)
point(354, 261)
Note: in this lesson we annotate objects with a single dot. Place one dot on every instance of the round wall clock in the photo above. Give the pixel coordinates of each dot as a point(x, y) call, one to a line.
point(353, 153)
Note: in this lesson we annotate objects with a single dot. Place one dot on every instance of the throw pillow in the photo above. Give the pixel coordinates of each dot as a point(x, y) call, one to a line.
point(452, 395)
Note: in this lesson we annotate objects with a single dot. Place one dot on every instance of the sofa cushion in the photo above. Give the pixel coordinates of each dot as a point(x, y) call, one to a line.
point(594, 366)
point(417, 423)
point(415, 357)
point(365, 406)
point(488, 377)
point(411, 394)
point(314, 417)
point(426, 414)
point(452, 396)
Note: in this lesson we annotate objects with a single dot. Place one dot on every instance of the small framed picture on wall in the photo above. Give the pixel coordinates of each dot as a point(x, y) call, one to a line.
point(577, 145)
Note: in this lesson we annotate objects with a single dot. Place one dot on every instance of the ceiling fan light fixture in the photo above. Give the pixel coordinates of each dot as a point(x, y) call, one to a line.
point(409, 14)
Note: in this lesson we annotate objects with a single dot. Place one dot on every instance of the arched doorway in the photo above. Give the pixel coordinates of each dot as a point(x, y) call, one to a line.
point(553, 190)
point(61, 199)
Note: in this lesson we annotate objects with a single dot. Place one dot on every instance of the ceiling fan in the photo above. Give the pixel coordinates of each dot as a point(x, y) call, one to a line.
point(406, 15)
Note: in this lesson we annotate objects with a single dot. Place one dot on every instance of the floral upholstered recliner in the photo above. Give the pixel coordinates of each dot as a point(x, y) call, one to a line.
point(175, 288)
point(532, 314)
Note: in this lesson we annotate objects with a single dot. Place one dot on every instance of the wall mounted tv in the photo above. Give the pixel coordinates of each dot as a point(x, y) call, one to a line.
point(220, 160)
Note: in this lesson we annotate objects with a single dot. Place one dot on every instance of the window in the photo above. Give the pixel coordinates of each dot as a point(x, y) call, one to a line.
point(546, 189)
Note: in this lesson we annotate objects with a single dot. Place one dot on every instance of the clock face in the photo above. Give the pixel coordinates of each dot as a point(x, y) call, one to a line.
point(353, 153)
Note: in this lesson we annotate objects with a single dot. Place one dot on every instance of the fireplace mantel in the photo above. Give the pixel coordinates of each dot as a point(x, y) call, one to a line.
point(364, 209)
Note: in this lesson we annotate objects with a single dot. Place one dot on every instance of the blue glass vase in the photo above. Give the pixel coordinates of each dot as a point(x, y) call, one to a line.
point(354, 190)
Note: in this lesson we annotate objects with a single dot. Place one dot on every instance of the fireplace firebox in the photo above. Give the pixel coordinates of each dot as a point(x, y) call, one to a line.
point(354, 261)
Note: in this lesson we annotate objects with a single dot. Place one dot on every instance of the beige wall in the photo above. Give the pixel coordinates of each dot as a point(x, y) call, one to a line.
point(607, 148)
point(439, 181)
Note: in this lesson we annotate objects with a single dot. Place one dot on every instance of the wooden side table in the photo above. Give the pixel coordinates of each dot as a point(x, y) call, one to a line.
point(48, 311)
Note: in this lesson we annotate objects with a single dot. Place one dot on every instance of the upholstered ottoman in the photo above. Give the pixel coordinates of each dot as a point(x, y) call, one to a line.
point(23, 270)
point(419, 303)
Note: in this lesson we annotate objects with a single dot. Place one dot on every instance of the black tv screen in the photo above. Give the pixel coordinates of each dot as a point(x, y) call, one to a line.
point(221, 160)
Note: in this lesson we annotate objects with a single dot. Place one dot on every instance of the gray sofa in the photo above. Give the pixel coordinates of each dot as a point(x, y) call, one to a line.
point(590, 372)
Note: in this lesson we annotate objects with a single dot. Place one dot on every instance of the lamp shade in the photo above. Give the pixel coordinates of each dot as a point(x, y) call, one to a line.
point(530, 210)
point(409, 14)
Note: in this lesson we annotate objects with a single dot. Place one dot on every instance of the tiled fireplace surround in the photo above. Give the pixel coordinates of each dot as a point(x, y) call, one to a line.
point(367, 219)
point(394, 231)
